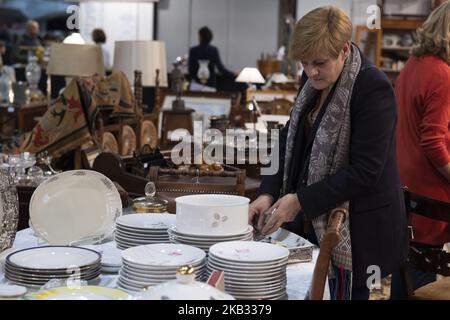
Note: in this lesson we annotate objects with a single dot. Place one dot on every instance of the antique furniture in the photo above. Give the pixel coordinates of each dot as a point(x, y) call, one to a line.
point(173, 120)
point(171, 183)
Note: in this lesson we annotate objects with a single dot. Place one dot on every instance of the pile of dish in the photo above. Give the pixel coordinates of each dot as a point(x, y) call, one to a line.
point(139, 229)
point(152, 264)
point(253, 270)
point(111, 256)
point(34, 267)
point(204, 242)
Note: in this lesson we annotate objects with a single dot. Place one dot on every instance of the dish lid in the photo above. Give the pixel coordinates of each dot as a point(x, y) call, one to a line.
point(150, 203)
point(185, 287)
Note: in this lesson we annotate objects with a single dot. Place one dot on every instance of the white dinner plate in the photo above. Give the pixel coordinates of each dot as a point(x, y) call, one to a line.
point(53, 257)
point(111, 255)
point(175, 231)
point(75, 206)
point(159, 221)
point(163, 254)
point(248, 251)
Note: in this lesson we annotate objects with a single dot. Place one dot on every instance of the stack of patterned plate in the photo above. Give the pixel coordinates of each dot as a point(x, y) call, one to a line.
point(140, 229)
point(152, 264)
point(253, 270)
point(204, 242)
point(34, 267)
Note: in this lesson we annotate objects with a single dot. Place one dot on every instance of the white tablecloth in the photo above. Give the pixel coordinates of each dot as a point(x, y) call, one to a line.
point(298, 275)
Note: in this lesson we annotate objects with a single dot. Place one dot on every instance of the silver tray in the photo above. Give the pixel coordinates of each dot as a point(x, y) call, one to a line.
point(300, 249)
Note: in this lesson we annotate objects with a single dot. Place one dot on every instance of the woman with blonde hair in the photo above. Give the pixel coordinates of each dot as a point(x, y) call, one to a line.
point(338, 150)
point(423, 137)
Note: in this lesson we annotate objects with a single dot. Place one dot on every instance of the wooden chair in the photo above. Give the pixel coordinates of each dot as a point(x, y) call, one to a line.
point(329, 241)
point(212, 185)
point(436, 261)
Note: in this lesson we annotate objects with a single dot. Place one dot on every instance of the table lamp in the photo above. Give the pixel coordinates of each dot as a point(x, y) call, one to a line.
point(146, 56)
point(74, 60)
point(251, 76)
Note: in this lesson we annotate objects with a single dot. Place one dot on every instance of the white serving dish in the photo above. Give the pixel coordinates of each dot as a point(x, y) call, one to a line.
point(184, 288)
point(75, 207)
point(212, 214)
point(80, 293)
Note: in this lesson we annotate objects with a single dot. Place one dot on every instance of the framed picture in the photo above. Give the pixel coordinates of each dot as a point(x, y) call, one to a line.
point(411, 8)
point(205, 106)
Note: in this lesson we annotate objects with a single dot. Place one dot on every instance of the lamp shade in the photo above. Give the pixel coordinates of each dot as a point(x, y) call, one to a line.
point(74, 38)
point(250, 75)
point(146, 56)
point(71, 60)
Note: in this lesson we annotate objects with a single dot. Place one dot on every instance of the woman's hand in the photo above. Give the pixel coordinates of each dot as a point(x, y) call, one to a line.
point(257, 209)
point(284, 210)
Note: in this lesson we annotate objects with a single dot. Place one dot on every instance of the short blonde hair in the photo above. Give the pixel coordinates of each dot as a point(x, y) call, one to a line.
point(434, 36)
point(325, 29)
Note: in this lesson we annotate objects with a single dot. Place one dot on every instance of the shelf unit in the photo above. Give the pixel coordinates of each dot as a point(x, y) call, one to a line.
point(398, 27)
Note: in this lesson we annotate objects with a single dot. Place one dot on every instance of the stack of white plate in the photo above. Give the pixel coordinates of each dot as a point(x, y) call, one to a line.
point(111, 256)
point(253, 270)
point(34, 267)
point(139, 229)
point(152, 264)
point(204, 242)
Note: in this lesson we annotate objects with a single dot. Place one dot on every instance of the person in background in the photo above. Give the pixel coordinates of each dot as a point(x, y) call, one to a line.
point(6, 46)
point(423, 137)
point(99, 37)
point(205, 51)
point(338, 151)
point(31, 37)
point(28, 42)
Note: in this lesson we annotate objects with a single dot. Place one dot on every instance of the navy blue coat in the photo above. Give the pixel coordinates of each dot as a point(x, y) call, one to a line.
point(371, 181)
point(207, 52)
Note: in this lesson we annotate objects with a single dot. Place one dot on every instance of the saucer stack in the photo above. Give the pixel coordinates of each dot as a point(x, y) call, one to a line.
point(34, 267)
point(204, 242)
point(253, 270)
point(151, 264)
point(111, 256)
point(141, 229)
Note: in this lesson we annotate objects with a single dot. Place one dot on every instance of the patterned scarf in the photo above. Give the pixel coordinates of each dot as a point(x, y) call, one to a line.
point(330, 149)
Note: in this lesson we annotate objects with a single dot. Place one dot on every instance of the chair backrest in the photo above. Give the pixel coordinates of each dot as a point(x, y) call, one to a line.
point(329, 241)
point(230, 181)
point(436, 261)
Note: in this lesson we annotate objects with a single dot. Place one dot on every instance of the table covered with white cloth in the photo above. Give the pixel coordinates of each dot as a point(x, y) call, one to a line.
point(299, 275)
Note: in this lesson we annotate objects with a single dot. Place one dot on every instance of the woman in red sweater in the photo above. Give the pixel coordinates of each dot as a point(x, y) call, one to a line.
point(423, 136)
